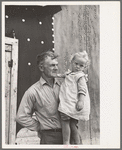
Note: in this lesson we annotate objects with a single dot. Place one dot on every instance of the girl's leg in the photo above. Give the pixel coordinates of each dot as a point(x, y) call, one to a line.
point(66, 131)
point(74, 130)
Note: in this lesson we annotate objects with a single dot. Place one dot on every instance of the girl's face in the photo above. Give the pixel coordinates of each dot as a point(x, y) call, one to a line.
point(77, 64)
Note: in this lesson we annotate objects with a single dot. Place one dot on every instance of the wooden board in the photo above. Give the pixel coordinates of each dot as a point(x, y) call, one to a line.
point(7, 91)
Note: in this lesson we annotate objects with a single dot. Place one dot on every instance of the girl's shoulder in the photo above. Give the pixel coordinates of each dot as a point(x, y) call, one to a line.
point(78, 75)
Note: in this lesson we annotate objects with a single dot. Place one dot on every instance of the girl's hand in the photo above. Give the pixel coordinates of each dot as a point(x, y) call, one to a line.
point(79, 105)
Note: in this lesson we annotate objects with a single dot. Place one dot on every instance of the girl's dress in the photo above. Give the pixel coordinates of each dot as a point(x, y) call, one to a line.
point(73, 84)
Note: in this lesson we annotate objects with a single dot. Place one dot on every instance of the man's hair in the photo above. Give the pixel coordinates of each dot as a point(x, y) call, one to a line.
point(41, 57)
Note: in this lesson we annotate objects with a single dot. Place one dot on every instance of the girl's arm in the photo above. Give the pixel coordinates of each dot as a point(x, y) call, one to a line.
point(80, 103)
point(81, 84)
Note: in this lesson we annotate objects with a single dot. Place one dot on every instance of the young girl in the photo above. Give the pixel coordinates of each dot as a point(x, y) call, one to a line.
point(74, 98)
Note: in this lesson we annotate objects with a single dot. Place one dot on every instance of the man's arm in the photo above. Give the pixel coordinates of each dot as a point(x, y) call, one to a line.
point(25, 112)
point(63, 75)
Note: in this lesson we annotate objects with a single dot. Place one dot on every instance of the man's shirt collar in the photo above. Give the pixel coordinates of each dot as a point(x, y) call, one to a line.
point(42, 81)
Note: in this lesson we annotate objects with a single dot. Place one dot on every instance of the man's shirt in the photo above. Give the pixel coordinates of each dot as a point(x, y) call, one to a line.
point(42, 99)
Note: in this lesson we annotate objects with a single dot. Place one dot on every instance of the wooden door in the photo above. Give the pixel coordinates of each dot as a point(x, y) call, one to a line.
point(11, 71)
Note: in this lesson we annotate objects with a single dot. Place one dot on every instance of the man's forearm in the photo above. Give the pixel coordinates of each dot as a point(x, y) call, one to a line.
point(28, 122)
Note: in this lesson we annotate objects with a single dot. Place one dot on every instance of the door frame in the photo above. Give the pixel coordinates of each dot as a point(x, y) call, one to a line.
point(13, 89)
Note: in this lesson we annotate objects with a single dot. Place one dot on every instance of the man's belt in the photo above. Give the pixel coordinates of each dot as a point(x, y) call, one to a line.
point(53, 130)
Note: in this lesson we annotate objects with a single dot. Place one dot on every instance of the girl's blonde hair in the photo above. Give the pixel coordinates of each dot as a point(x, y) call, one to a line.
point(84, 57)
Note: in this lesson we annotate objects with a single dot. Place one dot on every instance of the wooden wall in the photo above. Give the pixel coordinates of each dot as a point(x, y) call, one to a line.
point(76, 28)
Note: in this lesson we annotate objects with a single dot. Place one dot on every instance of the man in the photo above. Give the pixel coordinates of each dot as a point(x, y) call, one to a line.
point(42, 98)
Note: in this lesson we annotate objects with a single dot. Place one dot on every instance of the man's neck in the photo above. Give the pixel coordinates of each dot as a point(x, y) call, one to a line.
point(50, 81)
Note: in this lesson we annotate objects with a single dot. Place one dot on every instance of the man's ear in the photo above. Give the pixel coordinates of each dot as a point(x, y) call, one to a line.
point(41, 68)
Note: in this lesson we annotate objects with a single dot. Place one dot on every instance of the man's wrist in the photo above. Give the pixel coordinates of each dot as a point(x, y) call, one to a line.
point(38, 128)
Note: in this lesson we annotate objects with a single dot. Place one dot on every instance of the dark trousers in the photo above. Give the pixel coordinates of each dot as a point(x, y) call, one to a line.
point(51, 137)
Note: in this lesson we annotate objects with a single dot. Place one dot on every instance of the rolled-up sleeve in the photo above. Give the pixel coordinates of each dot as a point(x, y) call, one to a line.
point(81, 84)
point(25, 112)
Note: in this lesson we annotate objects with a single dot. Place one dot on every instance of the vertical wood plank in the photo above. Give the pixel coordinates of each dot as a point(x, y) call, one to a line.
point(7, 91)
point(14, 76)
point(92, 19)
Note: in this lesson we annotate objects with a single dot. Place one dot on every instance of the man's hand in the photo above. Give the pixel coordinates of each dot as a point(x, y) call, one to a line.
point(80, 105)
point(61, 75)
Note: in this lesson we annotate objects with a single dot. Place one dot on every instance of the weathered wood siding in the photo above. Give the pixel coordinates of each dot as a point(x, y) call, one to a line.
point(76, 28)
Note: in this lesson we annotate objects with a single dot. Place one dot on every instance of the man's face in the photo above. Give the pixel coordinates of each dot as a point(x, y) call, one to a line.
point(50, 67)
